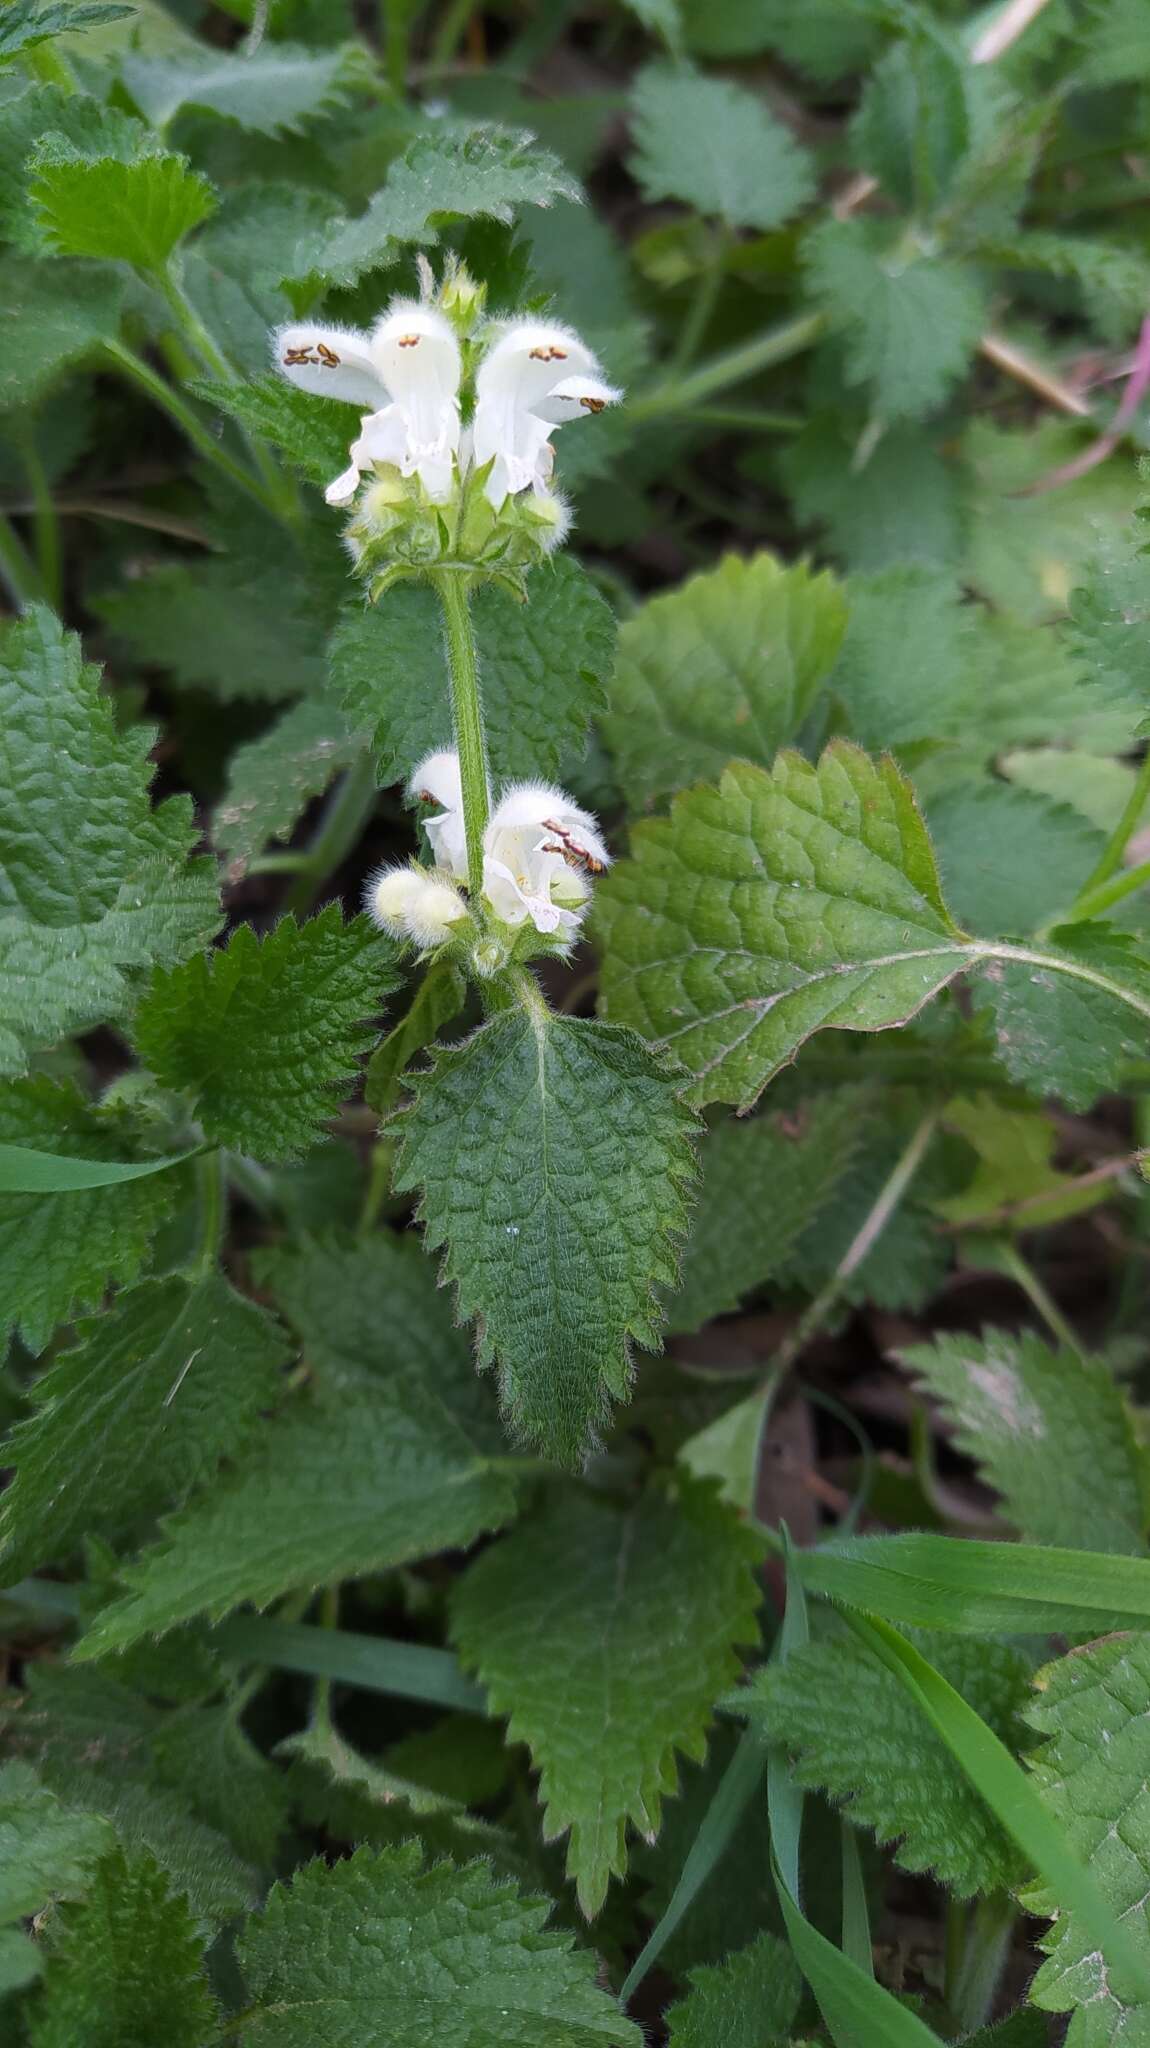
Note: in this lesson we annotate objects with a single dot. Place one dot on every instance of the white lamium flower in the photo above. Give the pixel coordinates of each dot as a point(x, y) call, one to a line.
point(406, 371)
point(540, 853)
point(437, 781)
point(412, 904)
point(535, 378)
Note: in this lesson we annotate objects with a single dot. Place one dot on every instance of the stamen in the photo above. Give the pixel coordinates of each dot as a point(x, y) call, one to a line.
point(410, 340)
point(327, 356)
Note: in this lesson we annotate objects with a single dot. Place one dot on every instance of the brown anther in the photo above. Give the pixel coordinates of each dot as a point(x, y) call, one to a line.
point(327, 356)
point(409, 340)
point(593, 404)
point(293, 357)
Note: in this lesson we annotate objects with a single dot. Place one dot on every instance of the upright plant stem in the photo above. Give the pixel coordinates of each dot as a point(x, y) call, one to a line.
point(162, 394)
point(211, 1186)
point(18, 572)
point(347, 813)
point(1012, 1262)
point(1116, 845)
point(467, 713)
point(732, 367)
point(280, 494)
point(44, 514)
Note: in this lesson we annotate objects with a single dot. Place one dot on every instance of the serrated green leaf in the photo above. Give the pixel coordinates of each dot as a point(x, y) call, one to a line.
point(126, 1967)
point(750, 2001)
point(1010, 859)
point(354, 1951)
point(438, 999)
point(26, 23)
point(204, 1754)
point(911, 1256)
point(1067, 1033)
point(909, 321)
point(665, 1587)
point(46, 1852)
point(850, 1730)
point(544, 667)
point(1025, 1413)
point(70, 308)
point(729, 664)
point(137, 211)
point(59, 1251)
point(552, 1154)
point(76, 117)
point(272, 780)
point(94, 883)
point(356, 1800)
point(1110, 616)
point(274, 90)
point(906, 624)
point(264, 1035)
point(901, 505)
point(311, 432)
point(462, 170)
point(772, 907)
point(1092, 1772)
point(763, 1182)
point(744, 168)
point(20, 1960)
point(1026, 553)
point(219, 626)
point(1015, 1172)
point(1036, 692)
point(1095, 785)
point(138, 1414)
point(913, 127)
point(385, 1461)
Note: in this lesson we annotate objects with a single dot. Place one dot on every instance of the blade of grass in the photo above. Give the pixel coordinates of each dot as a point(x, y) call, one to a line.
point(24, 1171)
point(978, 1588)
point(376, 1663)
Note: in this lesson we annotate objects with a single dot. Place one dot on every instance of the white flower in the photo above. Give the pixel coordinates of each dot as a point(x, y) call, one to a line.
point(535, 378)
point(411, 904)
point(541, 850)
point(407, 371)
point(436, 780)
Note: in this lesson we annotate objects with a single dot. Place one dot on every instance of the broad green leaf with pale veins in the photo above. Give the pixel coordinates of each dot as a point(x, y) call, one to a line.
point(1060, 1025)
point(70, 308)
point(137, 210)
point(552, 1155)
point(851, 1731)
point(384, 1460)
point(1025, 1413)
point(272, 780)
point(126, 1968)
point(742, 166)
point(377, 1952)
point(58, 1251)
point(274, 89)
point(46, 1851)
point(1094, 1774)
point(93, 883)
point(265, 1034)
point(749, 2001)
point(544, 667)
point(729, 664)
point(771, 907)
point(608, 1682)
point(909, 322)
point(158, 1390)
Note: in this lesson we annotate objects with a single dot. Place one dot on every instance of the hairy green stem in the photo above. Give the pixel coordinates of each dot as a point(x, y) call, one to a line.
point(675, 394)
point(395, 28)
point(1011, 1261)
point(211, 1188)
point(703, 302)
point(348, 810)
point(177, 409)
point(1116, 844)
point(46, 525)
point(467, 714)
point(280, 493)
point(18, 572)
point(450, 34)
point(1092, 902)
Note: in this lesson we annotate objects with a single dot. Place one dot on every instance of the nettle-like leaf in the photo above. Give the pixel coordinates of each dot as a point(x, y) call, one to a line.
point(138, 1414)
point(749, 2001)
point(1011, 860)
point(28, 22)
point(901, 506)
point(126, 1968)
point(136, 209)
point(274, 90)
point(905, 623)
point(455, 170)
point(354, 1799)
point(439, 998)
point(265, 1034)
point(71, 308)
point(746, 170)
point(544, 668)
point(552, 1156)
point(74, 118)
point(1110, 616)
point(1015, 1173)
point(224, 626)
point(1093, 1772)
point(204, 1754)
point(909, 322)
point(58, 1252)
point(1025, 551)
point(311, 433)
point(1030, 1416)
point(93, 883)
point(777, 905)
point(911, 1257)
point(355, 1953)
point(729, 664)
point(851, 1731)
point(385, 1460)
point(606, 1684)
point(46, 1851)
point(272, 780)
point(763, 1182)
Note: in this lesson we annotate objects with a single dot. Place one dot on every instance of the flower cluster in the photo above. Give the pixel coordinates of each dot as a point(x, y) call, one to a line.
point(541, 851)
point(453, 456)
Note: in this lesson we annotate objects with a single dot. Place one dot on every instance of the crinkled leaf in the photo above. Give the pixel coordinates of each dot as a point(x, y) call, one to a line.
point(1069, 1033)
point(126, 1968)
point(272, 780)
point(1110, 616)
point(772, 907)
point(1093, 1772)
point(205, 1756)
point(743, 167)
point(901, 505)
point(312, 433)
point(384, 1461)
point(137, 211)
point(909, 322)
point(1024, 552)
point(544, 667)
point(905, 625)
point(220, 626)
point(264, 1035)
point(26, 22)
point(851, 1731)
point(1023, 1413)
point(70, 308)
point(93, 882)
point(59, 1251)
point(274, 90)
point(552, 1155)
point(750, 2001)
point(1010, 859)
point(729, 664)
point(46, 1851)
point(137, 1415)
point(377, 1952)
point(608, 1683)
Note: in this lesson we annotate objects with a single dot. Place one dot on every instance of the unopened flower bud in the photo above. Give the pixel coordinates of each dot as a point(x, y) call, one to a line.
point(412, 904)
point(462, 298)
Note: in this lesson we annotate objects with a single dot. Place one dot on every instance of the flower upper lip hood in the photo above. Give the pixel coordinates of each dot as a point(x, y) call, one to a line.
point(407, 370)
point(540, 848)
point(536, 377)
